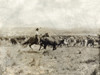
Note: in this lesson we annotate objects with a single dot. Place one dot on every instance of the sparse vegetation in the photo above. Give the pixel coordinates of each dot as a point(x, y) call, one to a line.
point(16, 59)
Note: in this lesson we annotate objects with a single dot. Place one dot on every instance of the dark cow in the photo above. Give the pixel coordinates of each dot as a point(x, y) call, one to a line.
point(50, 41)
point(61, 42)
point(13, 41)
point(46, 41)
point(90, 42)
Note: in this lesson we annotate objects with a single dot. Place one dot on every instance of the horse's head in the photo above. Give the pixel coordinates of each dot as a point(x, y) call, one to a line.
point(46, 35)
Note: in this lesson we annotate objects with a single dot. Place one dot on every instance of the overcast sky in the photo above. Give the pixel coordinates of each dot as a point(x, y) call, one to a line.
point(50, 13)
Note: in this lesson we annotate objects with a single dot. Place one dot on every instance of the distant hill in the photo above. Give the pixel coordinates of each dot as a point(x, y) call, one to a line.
point(17, 31)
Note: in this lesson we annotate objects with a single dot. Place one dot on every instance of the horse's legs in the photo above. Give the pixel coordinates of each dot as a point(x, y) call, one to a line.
point(54, 47)
point(45, 46)
point(40, 47)
point(92, 44)
point(87, 44)
point(30, 46)
point(41, 44)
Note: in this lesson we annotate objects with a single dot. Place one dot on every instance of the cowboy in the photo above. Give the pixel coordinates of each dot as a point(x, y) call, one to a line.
point(37, 35)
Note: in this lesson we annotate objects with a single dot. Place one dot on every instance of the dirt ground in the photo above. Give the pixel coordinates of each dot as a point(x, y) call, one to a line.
point(20, 60)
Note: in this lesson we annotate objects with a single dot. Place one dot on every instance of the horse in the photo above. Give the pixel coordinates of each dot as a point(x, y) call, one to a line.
point(31, 41)
point(34, 40)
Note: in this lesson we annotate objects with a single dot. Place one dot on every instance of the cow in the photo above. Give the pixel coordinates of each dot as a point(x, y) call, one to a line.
point(61, 42)
point(47, 41)
point(90, 42)
point(50, 41)
point(79, 41)
point(71, 41)
point(13, 41)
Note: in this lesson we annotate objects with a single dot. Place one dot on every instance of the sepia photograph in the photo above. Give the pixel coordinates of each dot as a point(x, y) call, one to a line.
point(49, 37)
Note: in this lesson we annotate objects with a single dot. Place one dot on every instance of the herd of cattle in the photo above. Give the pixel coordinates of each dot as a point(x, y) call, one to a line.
point(55, 41)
